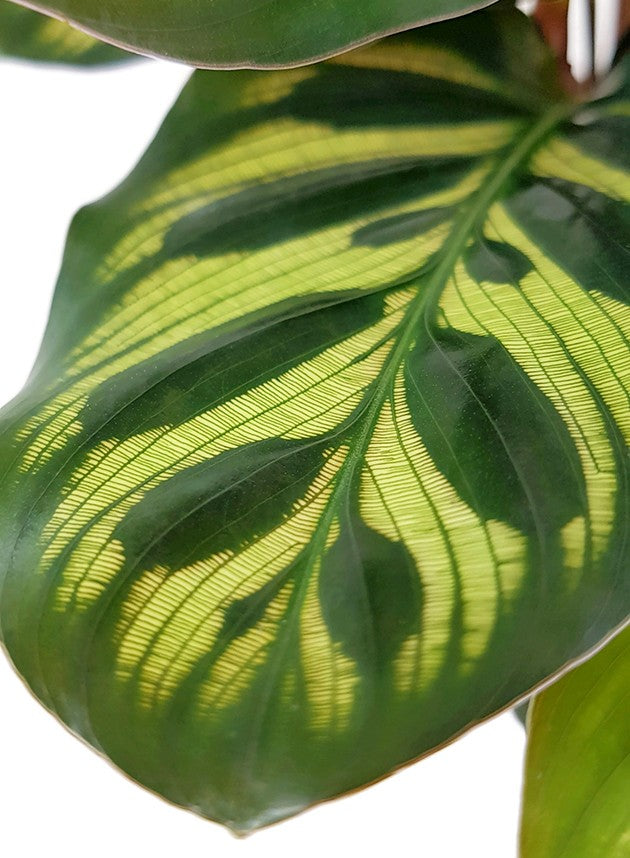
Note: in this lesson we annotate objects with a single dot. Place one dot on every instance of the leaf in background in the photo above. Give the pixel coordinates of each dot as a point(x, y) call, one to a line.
point(247, 34)
point(322, 460)
point(576, 800)
point(521, 711)
point(29, 35)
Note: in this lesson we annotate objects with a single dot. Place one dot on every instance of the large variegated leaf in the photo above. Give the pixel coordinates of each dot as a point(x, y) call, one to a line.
point(576, 800)
point(322, 460)
point(247, 34)
point(27, 34)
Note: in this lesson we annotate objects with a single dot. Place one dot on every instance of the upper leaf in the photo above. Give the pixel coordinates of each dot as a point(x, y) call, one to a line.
point(246, 34)
point(27, 34)
point(576, 800)
point(323, 460)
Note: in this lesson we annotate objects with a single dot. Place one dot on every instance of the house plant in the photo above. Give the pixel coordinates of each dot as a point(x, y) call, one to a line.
point(417, 238)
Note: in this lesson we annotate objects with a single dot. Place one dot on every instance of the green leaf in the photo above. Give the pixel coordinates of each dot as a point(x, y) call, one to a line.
point(521, 711)
point(29, 35)
point(246, 34)
point(577, 773)
point(322, 461)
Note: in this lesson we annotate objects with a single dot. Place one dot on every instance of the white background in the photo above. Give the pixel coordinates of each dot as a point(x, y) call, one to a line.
point(67, 137)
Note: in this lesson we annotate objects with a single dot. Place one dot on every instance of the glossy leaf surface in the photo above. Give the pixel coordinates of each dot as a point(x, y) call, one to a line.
point(577, 777)
point(29, 35)
point(322, 460)
point(247, 33)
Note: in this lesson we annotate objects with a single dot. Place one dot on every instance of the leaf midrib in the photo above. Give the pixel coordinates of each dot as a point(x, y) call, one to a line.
point(423, 306)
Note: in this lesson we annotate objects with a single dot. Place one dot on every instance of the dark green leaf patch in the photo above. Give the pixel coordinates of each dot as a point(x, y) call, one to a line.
point(493, 433)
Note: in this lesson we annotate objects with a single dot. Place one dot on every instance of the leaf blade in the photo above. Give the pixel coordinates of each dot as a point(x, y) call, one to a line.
point(579, 725)
point(28, 35)
point(215, 34)
point(262, 394)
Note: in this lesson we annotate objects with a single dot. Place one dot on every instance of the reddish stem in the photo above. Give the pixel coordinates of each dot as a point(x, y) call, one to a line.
point(551, 17)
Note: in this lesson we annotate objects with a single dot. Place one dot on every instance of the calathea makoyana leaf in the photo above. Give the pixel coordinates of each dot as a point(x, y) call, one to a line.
point(29, 35)
point(577, 776)
point(322, 460)
point(246, 34)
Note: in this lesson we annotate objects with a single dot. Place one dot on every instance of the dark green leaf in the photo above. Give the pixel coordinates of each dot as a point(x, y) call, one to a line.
point(323, 458)
point(247, 34)
point(521, 712)
point(29, 35)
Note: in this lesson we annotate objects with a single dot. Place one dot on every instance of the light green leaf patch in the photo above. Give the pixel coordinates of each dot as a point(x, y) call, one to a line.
point(577, 776)
point(323, 458)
